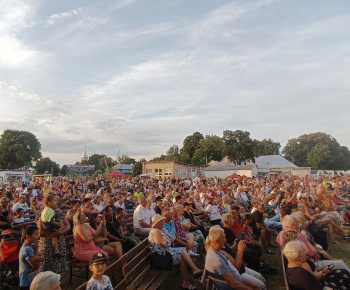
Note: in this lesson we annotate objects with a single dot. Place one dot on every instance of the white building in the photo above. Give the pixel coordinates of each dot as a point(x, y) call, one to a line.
point(222, 169)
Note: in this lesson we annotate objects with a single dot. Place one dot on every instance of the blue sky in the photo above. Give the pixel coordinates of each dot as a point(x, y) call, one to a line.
point(136, 76)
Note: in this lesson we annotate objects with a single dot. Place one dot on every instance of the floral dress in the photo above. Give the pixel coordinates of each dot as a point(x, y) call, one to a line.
point(156, 247)
point(52, 263)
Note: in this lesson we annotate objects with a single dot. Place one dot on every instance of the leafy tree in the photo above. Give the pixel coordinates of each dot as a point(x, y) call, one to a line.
point(18, 149)
point(125, 159)
point(265, 147)
point(191, 144)
point(238, 146)
point(136, 169)
point(101, 161)
point(173, 154)
point(160, 158)
point(63, 170)
point(45, 164)
point(318, 150)
point(210, 148)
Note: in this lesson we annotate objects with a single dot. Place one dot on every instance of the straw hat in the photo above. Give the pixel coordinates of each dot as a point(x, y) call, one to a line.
point(156, 218)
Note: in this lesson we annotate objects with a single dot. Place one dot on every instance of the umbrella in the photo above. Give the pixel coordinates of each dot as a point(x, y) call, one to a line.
point(115, 174)
point(234, 175)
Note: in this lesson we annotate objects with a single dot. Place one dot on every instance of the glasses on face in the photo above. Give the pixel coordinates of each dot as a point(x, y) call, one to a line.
point(99, 265)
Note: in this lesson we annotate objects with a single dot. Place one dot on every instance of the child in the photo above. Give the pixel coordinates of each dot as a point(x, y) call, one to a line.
point(98, 281)
point(19, 216)
point(49, 223)
point(29, 256)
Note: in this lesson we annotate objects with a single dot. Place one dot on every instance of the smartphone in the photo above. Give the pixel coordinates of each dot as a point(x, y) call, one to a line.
point(240, 236)
point(330, 267)
point(103, 214)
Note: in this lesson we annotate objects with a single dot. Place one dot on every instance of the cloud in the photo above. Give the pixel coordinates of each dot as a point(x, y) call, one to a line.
point(52, 19)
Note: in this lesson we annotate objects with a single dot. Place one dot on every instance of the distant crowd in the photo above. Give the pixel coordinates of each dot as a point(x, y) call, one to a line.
point(229, 222)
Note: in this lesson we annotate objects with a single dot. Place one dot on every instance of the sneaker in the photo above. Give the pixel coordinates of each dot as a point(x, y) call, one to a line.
point(347, 236)
point(192, 254)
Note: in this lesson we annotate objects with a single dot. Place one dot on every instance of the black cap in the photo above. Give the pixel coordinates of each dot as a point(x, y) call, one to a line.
point(97, 257)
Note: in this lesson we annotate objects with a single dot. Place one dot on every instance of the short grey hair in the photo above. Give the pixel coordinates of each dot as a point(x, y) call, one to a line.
point(288, 221)
point(299, 216)
point(44, 280)
point(214, 233)
point(293, 251)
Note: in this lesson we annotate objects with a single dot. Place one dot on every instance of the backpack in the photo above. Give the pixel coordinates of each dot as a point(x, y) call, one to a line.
point(11, 242)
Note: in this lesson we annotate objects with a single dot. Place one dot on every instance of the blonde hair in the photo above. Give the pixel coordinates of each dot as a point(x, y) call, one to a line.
point(76, 218)
point(213, 236)
point(293, 251)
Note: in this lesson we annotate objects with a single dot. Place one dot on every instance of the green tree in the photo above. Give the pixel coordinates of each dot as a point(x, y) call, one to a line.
point(191, 144)
point(63, 170)
point(210, 148)
point(318, 150)
point(125, 159)
point(136, 169)
point(45, 164)
point(238, 146)
point(101, 161)
point(173, 154)
point(265, 147)
point(18, 149)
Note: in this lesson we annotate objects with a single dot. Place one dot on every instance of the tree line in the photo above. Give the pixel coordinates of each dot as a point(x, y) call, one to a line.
point(21, 150)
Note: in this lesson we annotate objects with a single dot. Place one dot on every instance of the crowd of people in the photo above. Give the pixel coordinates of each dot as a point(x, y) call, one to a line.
point(232, 223)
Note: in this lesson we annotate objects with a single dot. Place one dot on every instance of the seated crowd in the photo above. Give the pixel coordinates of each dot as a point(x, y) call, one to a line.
point(229, 222)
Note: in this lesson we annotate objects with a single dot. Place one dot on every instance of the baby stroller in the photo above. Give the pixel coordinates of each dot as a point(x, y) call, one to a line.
point(10, 244)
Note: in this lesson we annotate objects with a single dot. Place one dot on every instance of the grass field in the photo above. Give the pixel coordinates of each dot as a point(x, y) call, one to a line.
point(274, 282)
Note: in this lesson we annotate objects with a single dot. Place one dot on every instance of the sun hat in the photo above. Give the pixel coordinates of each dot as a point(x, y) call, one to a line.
point(156, 218)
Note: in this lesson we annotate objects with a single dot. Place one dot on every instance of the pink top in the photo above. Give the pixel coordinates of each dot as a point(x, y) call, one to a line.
point(82, 250)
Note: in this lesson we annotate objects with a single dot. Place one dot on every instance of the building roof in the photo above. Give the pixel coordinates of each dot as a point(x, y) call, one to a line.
point(230, 167)
point(123, 166)
point(266, 162)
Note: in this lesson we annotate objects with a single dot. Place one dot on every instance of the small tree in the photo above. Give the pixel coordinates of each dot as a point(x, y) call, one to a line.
point(136, 169)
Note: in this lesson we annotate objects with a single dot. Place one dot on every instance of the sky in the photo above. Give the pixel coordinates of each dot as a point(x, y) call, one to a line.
point(137, 76)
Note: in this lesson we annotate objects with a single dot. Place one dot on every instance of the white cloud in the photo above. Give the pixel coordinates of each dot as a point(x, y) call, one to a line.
point(57, 16)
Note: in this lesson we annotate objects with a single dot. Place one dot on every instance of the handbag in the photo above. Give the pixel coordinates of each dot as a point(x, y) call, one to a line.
point(161, 262)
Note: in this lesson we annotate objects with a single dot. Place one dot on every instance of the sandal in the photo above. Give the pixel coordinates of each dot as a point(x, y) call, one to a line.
point(268, 252)
point(191, 287)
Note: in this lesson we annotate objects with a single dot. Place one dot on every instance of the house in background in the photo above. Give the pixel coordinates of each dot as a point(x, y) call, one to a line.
point(222, 169)
point(166, 169)
point(276, 164)
point(124, 168)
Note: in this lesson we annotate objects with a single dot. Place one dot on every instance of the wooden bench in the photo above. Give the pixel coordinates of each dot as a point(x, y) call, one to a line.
point(135, 269)
point(74, 263)
point(284, 272)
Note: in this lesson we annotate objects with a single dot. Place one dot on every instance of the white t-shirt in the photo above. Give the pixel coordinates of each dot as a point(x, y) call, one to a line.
point(141, 213)
point(213, 211)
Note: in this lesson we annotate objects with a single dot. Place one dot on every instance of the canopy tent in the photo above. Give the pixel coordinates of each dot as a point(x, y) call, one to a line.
point(115, 174)
point(234, 175)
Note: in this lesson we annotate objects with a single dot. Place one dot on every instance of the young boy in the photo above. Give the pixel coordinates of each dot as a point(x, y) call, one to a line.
point(19, 216)
point(29, 256)
point(98, 281)
point(49, 222)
